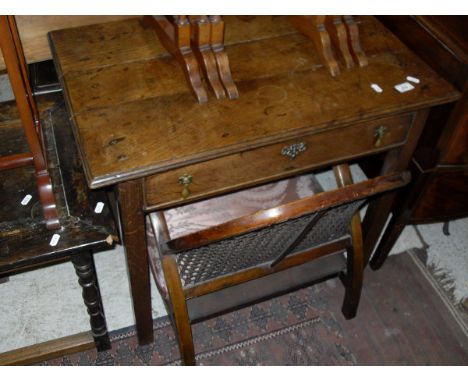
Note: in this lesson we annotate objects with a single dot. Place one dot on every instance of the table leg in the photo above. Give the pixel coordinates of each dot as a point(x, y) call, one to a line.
point(86, 272)
point(130, 198)
point(379, 209)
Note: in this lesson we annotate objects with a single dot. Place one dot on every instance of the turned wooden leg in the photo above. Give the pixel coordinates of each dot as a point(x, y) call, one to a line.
point(132, 219)
point(179, 308)
point(84, 267)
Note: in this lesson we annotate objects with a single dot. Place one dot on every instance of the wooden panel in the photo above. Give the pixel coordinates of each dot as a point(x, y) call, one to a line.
point(280, 98)
point(33, 31)
point(445, 197)
point(163, 77)
point(453, 144)
point(267, 163)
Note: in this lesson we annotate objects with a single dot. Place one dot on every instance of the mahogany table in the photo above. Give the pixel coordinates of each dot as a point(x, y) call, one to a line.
point(140, 131)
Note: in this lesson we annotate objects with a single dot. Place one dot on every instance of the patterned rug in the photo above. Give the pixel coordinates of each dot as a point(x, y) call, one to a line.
point(402, 320)
point(281, 331)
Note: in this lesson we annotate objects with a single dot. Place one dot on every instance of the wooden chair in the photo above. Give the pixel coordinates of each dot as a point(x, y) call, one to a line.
point(194, 268)
point(10, 45)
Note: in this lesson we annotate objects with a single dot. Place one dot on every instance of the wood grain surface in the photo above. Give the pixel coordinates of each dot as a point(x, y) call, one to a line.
point(134, 115)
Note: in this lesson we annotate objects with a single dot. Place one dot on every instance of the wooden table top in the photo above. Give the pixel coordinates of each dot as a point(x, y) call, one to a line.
point(133, 113)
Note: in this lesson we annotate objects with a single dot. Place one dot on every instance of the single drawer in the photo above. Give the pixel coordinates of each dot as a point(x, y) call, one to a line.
point(274, 161)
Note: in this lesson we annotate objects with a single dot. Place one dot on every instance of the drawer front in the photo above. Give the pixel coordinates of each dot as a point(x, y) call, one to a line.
point(275, 161)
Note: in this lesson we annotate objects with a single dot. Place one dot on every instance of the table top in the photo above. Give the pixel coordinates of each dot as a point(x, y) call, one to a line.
point(133, 114)
point(24, 238)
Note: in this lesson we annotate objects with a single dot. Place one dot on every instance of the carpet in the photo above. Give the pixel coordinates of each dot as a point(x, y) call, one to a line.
point(401, 321)
point(281, 331)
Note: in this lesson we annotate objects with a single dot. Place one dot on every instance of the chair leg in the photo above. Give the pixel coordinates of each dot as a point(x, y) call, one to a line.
point(179, 308)
point(84, 267)
point(354, 272)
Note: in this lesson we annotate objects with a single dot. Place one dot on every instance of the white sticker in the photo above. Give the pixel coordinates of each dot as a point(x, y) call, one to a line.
point(26, 200)
point(413, 79)
point(404, 87)
point(99, 207)
point(55, 239)
point(376, 88)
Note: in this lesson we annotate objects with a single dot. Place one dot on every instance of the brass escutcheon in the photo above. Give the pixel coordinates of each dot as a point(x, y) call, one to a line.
point(379, 135)
point(185, 180)
point(292, 151)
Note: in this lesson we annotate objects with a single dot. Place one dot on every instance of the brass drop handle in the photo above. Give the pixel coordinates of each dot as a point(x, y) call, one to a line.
point(292, 151)
point(379, 135)
point(185, 180)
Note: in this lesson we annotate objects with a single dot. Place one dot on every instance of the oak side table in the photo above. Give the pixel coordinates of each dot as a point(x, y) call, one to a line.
point(141, 133)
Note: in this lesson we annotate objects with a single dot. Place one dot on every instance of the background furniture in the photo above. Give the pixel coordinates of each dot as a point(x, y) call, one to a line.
point(24, 239)
point(225, 260)
point(10, 45)
point(33, 31)
point(139, 130)
point(439, 189)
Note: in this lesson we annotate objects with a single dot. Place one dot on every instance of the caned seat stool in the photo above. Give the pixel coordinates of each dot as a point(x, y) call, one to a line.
point(251, 246)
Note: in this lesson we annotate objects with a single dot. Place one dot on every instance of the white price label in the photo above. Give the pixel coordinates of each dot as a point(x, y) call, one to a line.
point(99, 207)
point(404, 87)
point(413, 79)
point(376, 88)
point(55, 239)
point(26, 200)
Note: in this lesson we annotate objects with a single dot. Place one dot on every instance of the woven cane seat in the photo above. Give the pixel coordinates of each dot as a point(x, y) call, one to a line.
point(206, 255)
point(253, 248)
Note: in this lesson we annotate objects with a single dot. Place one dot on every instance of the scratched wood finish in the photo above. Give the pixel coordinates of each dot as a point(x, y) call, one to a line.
point(285, 96)
point(267, 163)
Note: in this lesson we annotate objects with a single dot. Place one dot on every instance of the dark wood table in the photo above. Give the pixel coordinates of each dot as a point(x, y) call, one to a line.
point(139, 129)
point(24, 238)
